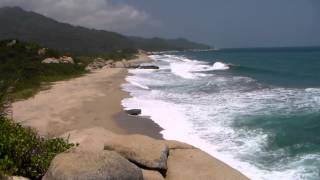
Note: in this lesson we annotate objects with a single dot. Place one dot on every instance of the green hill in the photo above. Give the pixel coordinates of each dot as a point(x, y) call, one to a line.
point(17, 23)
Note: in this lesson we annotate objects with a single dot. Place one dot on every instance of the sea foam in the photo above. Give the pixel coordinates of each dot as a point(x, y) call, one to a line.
point(208, 111)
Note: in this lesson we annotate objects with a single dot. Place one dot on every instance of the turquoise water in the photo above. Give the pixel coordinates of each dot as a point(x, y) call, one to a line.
point(256, 109)
point(284, 67)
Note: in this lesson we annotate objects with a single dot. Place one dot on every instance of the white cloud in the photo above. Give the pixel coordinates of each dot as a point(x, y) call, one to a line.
point(100, 14)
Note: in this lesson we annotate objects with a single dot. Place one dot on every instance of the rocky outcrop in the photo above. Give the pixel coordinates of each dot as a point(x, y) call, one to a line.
point(66, 59)
point(84, 165)
point(134, 112)
point(50, 61)
point(63, 59)
point(190, 164)
point(142, 150)
point(156, 159)
point(99, 63)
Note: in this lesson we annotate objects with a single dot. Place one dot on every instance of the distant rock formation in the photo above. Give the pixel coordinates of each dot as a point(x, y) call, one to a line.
point(99, 63)
point(63, 59)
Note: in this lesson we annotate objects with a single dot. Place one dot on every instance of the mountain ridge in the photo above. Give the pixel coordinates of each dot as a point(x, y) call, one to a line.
point(17, 23)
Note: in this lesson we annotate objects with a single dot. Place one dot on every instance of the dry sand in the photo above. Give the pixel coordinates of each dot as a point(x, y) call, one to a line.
point(84, 102)
point(93, 100)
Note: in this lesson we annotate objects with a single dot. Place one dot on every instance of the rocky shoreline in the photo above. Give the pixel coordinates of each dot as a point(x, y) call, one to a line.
point(101, 154)
point(104, 150)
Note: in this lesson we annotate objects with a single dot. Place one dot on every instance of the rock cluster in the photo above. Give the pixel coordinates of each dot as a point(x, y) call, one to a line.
point(102, 154)
point(63, 59)
point(99, 63)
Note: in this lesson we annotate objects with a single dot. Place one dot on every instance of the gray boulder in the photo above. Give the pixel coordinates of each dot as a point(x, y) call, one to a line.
point(85, 165)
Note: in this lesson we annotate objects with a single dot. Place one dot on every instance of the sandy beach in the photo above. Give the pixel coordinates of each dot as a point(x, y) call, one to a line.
point(93, 100)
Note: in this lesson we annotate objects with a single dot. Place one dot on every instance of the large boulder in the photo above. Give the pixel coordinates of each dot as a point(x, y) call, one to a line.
point(142, 150)
point(84, 165)
point(151, 175)
point(190, 164)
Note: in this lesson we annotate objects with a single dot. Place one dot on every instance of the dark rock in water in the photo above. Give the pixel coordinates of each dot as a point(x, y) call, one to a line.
point(134, 66)
point(148, 67)
point(134, 112)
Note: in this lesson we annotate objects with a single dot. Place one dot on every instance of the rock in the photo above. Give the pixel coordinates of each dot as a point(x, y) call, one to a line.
point(151, 175)
point(148, 67)
point(177, 145)
point(134, 112)
point(63, 59)
point(99, 63)
point(66, 59)
point(42, 51)
point(100, 165)
point(50, 60)
point(190, 164)
point(142, 150)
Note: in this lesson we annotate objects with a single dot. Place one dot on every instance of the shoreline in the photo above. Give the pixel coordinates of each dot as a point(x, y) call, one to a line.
point(90, 101)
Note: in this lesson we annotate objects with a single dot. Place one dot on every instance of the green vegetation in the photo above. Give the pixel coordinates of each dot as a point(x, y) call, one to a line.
point(21, 65)
point(16, 23)
point(24, 153)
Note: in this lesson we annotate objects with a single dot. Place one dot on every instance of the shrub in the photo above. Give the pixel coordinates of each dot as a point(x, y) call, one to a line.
point(24, 153)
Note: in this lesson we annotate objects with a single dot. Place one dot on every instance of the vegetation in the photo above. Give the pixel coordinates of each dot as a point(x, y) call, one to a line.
point(24, 153)
point(33, 27)
point(21, 66)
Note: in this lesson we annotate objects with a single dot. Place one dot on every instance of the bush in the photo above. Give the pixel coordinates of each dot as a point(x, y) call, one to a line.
point(24, 153)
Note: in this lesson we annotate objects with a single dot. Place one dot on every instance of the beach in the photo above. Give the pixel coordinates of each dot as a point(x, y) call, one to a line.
point(91, 101)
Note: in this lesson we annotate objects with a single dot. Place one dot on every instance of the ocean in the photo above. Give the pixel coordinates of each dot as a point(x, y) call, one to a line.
point(258, 110)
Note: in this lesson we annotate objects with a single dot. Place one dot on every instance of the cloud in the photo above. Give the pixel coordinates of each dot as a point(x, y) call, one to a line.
point(99, 14)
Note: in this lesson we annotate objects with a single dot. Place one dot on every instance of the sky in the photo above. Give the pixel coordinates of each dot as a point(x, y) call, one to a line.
point(220, 23)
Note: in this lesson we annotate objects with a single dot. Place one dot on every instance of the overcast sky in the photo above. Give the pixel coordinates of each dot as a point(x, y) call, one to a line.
point(223, 23)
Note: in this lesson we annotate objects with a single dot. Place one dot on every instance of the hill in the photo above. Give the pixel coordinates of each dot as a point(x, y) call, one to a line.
point(17, 23)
